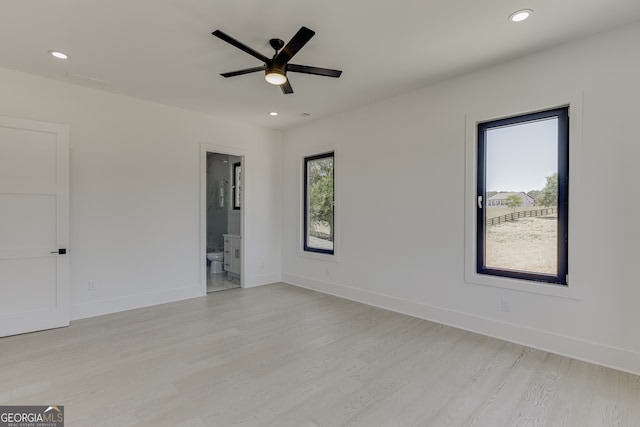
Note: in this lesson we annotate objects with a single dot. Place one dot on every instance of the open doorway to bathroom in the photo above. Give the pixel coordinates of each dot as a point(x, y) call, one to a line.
point(223, 217)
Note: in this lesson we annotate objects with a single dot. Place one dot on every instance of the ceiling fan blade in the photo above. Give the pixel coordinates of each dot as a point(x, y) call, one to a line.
point(241, 72)
point(313, 70)
point(286, 87)
point(222, 36)
point(295, 44)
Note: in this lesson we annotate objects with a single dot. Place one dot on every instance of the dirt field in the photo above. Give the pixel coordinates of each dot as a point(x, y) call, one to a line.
point(528, 244)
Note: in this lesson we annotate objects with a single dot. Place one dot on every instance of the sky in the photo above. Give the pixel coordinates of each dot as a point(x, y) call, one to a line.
point(520, 157)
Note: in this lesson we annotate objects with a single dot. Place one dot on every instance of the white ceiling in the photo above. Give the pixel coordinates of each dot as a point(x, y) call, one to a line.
point(163, 50)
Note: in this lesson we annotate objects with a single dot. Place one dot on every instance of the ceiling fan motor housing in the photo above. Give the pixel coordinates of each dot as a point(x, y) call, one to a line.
point(276, 67)
point(275, 72)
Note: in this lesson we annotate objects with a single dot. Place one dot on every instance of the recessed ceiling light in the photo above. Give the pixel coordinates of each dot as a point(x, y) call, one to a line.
point(59, 55)
point(273, 113)
point(520, 15)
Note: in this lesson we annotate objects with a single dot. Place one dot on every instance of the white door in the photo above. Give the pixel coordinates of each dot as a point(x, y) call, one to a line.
point(34, 226)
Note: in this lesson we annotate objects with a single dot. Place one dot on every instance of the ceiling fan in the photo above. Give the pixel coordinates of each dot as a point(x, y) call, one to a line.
point(276, 68)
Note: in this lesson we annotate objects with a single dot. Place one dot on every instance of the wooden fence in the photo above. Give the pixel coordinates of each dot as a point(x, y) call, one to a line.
point(522, 214)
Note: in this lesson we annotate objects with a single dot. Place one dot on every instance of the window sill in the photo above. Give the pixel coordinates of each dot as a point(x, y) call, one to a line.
point(319, 256)
point(555, 290)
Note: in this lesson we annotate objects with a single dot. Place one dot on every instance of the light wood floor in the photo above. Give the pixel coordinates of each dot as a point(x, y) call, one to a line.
point(221, 283)
point(283, 356)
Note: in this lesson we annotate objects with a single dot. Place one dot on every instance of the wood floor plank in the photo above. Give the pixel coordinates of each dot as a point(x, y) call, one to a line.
point(283, 356)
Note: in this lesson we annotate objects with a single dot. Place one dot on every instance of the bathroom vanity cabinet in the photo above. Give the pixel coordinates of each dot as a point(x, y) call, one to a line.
point(232, 253)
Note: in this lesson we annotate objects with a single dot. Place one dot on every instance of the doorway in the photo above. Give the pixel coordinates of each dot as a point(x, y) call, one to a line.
point(222, 213)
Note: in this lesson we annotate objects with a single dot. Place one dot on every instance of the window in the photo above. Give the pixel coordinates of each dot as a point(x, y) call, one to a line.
point(319, 203)
point(237, 185)
point(522, 197)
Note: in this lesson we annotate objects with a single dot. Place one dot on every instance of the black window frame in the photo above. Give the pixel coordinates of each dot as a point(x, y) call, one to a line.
point(562, 114)
point(305, 231)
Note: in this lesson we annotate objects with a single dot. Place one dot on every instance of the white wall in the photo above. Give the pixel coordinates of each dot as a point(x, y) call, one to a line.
point(135, 192)
point(402, 202)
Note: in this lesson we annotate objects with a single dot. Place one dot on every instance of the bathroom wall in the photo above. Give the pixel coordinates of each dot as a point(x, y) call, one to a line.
point(218, 199)
point(222, 218)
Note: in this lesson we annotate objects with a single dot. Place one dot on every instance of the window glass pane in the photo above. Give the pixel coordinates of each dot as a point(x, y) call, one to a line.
point(319, 196)
point(521, 200)
point(237, 185)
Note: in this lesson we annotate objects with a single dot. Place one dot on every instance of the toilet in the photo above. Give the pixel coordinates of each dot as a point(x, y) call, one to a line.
point(217, 261)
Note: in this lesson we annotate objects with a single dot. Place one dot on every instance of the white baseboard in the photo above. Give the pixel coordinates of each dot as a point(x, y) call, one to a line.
point(592, 352)
point(130, 302)
point(264, 279)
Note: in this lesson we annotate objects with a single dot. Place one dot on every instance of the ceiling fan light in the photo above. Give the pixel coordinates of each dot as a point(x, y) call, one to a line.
point(275, 78)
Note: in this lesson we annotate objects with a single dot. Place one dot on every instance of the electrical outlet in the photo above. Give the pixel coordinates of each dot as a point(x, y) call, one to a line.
point(505, 305)
point(92, 285)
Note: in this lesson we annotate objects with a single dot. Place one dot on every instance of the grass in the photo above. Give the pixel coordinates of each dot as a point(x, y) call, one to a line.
point(527, 244)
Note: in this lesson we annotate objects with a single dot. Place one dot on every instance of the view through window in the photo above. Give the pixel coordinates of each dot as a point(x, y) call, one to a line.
point(319, 203)
point(522, 196)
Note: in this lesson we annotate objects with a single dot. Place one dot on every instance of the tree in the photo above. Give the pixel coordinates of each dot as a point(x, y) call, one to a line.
point(321, 192)
point(549, 194)
point(513, 201)
point(534, 194)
